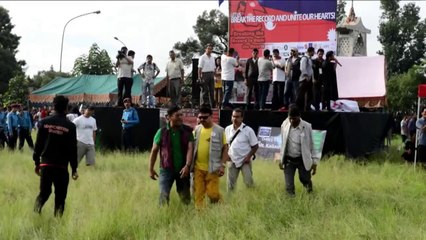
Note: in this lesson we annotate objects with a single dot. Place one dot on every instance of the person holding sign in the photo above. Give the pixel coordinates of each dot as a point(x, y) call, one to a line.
point(297, 151)
point(242, 145)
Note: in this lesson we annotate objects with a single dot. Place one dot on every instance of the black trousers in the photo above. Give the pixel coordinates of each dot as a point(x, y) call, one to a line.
point(304, 95)
point(3, 138)
point(252, 86)
point(59, 177)
point(125, 83)
point(290, 167)
point(278, 95)
point(128, 139)
point(318, 95)
point(421, 153)
point(13, 139)
point(25, 135)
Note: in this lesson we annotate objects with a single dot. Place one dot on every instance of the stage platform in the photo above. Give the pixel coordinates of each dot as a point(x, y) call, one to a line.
point(352, 134)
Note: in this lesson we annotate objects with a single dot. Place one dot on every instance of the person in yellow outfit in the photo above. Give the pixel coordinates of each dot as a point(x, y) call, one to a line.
point(210, 155)
point(218, 91)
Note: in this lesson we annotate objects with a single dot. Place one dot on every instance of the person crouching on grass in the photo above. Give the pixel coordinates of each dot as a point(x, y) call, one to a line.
point(55, 147)
point(175, 143)
point(297, 151)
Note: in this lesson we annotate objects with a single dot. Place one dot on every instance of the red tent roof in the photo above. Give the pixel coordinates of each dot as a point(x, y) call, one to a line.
point(422, 91)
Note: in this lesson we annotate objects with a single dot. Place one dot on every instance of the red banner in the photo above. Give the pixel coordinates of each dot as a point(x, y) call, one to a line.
point(282, 25)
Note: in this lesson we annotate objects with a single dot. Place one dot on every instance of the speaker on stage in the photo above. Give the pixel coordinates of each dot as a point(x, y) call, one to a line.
point(195, 99)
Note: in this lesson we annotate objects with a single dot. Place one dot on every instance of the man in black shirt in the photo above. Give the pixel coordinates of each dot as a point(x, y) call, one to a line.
point(55, 147)
point(251, 74)
point(318, 80)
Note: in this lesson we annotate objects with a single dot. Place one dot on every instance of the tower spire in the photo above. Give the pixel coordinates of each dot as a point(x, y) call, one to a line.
point(352, 16)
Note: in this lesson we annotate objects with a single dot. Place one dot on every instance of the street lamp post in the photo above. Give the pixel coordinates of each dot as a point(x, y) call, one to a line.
point(63, 33)
point(116, 38)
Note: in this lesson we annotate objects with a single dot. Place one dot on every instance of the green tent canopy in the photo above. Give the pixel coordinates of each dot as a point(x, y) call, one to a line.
point(91, 89)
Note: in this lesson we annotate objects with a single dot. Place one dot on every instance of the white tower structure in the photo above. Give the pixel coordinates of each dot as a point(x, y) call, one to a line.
point(351, 36)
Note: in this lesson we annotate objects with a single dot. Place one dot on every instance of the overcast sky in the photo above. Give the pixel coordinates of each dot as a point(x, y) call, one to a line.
point(147, 27)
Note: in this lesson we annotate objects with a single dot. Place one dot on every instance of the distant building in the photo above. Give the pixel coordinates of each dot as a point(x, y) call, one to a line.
point(351, 36)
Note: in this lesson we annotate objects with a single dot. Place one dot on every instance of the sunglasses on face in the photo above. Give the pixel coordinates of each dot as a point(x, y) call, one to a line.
point(203, 117)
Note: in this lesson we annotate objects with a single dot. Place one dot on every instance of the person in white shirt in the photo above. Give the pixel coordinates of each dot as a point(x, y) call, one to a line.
point(228, 63)
point(265, 76)
point(124, 75)
point(86, 136)
point(175, 77)
point(305, 92)
point(278, 80)
point(206, 68)
point(242, 146)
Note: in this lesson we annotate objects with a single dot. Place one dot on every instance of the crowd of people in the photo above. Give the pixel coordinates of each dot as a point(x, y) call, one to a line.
point(409, 126)
point(148, 72)
point(195, 159)
point(300, 79)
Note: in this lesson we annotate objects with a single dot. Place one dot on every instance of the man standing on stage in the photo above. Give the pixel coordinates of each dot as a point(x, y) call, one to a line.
point(206, 68)
point(251, 74)
point(265, 76)
point(124, 75)
point(278, 81)
point(318, 80)
point(304, 94)
point(330, 79)
point(175, 77)
point(149, 72)
point(228, 63)
point(56, 146)
point(292, 72)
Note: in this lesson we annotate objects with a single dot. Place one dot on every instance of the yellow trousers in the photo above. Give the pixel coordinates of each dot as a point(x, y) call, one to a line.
point(206, 183)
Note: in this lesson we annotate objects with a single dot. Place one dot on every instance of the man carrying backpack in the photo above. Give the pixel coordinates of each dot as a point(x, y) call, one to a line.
point(305, 93)
point(292, 72)
point(149, 72)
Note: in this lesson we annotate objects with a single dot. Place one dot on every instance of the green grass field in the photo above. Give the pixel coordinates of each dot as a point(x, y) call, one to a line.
point(380, 198)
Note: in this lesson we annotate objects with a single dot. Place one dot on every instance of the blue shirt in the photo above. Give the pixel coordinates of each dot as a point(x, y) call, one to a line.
point(25, 120)
point(12, 121)
point(3, 120)
point(131, 116)
point(422, 136)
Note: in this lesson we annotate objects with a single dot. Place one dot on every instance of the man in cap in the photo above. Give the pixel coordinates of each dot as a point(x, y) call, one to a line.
point(129, 120)
point(12, 125)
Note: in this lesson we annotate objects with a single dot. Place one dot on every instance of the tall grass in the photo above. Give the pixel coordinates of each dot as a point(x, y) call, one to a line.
point(379, 198)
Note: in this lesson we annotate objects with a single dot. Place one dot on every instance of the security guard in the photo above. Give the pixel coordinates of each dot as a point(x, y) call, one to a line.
point(25, 127)
point(12, 125)
point(56, 146)
point(3, 127)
